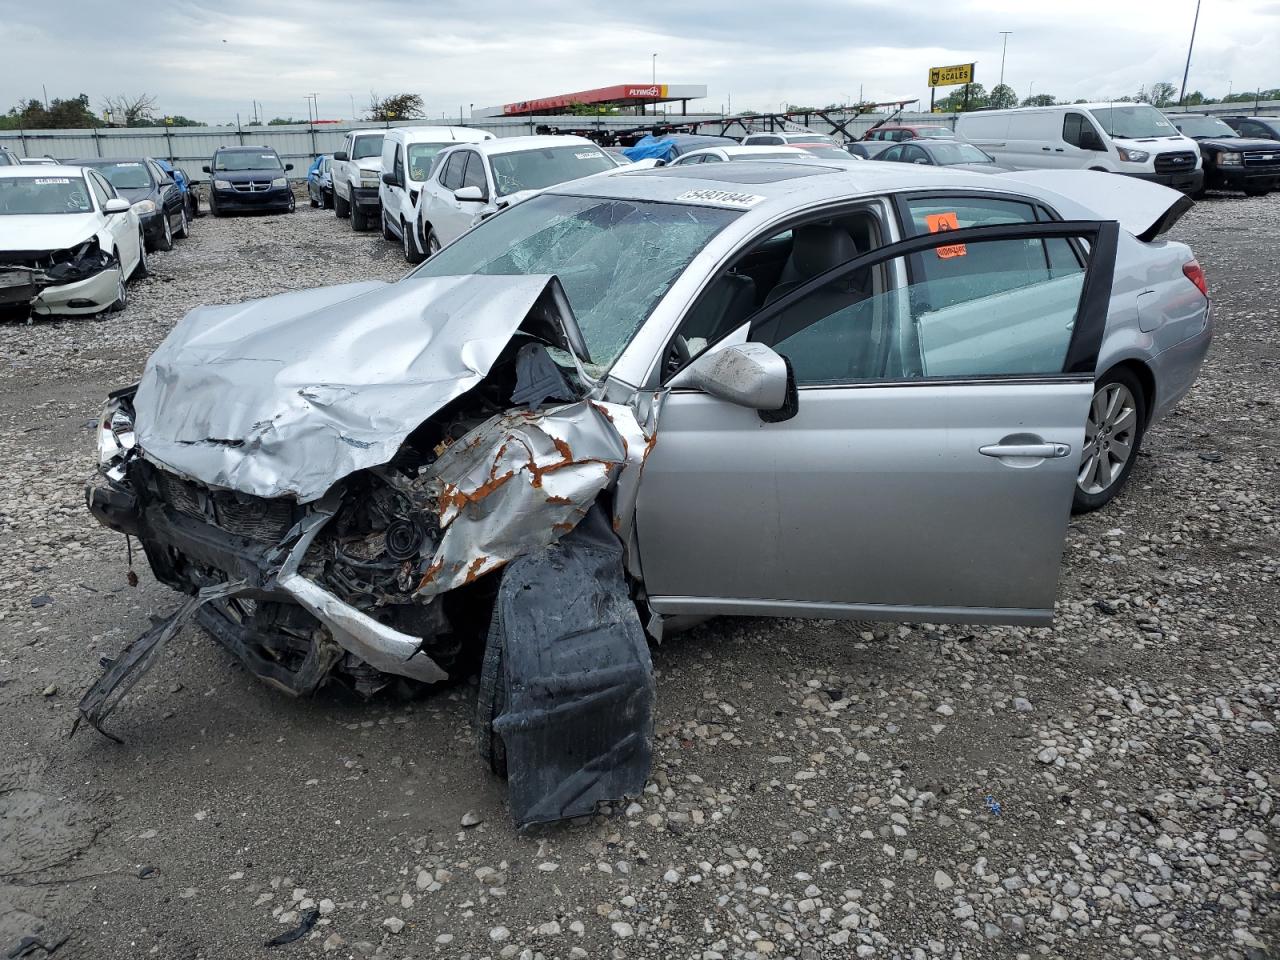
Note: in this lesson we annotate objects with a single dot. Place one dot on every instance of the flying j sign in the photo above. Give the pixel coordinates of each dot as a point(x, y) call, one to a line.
point(951, 76)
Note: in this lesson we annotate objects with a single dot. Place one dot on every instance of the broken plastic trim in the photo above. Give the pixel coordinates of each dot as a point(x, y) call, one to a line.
point(578, 722)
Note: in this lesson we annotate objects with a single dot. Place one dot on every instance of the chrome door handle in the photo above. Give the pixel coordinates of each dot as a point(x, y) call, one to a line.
point(1044, 451)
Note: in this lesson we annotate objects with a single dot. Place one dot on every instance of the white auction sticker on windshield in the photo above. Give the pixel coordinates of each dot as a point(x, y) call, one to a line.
point(43, 180)
point(589, 156)
point(728, 198)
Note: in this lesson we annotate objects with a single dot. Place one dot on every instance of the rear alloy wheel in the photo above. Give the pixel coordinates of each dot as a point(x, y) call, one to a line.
point(1112, 438)
point(433, 242)
point(311, 198)
point(411, 254)
point(184, 227)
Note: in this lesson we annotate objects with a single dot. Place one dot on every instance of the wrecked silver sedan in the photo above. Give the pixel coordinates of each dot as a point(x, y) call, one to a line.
point(637, 401)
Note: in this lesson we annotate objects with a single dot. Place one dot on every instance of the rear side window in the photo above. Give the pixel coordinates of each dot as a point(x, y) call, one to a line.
point(399, 164)
point(451, 175)
point(474, 175)
point(985, 269)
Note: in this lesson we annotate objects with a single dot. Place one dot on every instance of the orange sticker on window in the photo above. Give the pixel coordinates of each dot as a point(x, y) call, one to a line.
point(941, 222)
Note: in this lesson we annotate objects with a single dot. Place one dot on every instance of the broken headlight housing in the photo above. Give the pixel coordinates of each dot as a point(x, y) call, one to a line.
point(115, 430)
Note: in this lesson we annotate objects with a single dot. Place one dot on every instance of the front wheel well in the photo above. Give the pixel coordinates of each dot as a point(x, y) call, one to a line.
point(1147, 380)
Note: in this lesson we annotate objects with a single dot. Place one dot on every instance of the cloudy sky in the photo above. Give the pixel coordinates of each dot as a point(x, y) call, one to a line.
point(210, 60)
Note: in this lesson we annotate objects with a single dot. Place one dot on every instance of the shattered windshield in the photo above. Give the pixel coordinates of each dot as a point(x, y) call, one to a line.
point(27, 195)
point(546, 166)
point(615, 258)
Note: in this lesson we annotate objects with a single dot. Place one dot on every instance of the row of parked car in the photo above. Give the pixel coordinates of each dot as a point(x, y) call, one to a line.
point(73, 233)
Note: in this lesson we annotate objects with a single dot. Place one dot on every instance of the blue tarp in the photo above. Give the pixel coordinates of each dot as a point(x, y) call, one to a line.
point(651, 148)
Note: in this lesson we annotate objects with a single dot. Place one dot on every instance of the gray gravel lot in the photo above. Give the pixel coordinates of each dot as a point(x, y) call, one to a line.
point(1105, 788)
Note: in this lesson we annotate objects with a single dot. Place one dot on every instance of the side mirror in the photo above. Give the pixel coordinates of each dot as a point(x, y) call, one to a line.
point(390, 180)
point(470, 195)
point(747, 374)
point(341, 155)
point(206, 169)
point(288, 166)
point(920, 160)
point(116, 205)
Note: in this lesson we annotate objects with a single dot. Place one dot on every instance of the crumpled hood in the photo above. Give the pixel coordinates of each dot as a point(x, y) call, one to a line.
point(287, 395)
point(51, 231)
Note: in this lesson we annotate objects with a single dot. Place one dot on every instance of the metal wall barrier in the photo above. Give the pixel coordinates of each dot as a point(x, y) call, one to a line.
point(193, 147)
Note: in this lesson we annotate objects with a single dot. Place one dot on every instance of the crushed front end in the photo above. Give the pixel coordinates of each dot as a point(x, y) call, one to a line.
point(389, 575)
point(80, 280)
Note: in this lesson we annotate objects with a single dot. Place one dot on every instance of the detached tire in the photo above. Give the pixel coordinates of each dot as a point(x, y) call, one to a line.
point(491, 701)
point(1112, 439)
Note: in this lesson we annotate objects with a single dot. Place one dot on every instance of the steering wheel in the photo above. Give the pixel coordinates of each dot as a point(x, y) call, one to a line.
point(681, 354)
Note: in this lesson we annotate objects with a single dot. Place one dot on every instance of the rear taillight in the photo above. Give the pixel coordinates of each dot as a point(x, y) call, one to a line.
point(1195, 273)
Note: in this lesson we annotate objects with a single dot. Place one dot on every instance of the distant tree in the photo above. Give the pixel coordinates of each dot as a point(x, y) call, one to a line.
point(1194, 98)
point(1002, 97)
point(178, 120)
point(1249, 96)
point(281, 121)
point(131, 111)
point(1162, 94)
point(1040, 100)
point(954, 102)
point(399, 106)
point(71, 113)
point(590, 110)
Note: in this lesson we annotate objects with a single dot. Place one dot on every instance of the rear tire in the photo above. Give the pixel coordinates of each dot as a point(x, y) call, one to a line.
point(433, 242)
point(311, 198)
point(341, 208)
point(184, 230)
point(387, 233)
point(1113, 437)
point(1256, 191)
point(491, 700)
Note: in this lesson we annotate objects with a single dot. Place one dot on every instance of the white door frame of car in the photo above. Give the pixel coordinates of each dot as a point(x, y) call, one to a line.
point(942, 500)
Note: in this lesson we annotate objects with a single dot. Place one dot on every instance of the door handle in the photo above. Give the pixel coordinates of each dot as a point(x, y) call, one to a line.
point(1045, 149)
point(1043, 451)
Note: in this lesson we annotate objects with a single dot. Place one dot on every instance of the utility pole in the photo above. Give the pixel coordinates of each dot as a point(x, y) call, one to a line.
point(1182, 97)
point(1004, 46)
point(654, 78)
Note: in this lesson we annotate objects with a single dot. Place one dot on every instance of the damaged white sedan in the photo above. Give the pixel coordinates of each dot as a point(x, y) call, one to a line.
point(68, 243)
point(637, 401)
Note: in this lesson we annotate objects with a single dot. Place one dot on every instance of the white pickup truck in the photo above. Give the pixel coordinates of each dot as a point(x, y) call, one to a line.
point(357, 175)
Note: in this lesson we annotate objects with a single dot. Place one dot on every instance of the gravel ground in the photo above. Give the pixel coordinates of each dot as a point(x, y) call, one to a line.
point(1105, 788)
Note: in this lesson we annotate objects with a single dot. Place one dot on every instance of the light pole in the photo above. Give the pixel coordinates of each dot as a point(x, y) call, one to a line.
point(1182, 97)
point(654, 64)
point(1004, 46)
point(1031, 90)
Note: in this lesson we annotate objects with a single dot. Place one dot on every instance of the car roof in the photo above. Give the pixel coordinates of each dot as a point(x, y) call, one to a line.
point(94, 161)
point(776, 186)
point(244, 149)
point(42, 170)
point(439, 134)
point(749, 149)
point(539, 142)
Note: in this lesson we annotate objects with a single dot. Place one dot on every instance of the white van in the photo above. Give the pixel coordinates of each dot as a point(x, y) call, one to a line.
point(407, 156)
point(1130, 138)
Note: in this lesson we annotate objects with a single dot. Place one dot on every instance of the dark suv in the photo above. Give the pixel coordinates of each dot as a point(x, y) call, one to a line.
point(1232, 162)
point(248, 178)
point(1260, 128)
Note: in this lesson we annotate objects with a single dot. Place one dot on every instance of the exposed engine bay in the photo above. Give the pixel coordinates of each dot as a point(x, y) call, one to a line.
point(24, 274)
point(389, 579)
